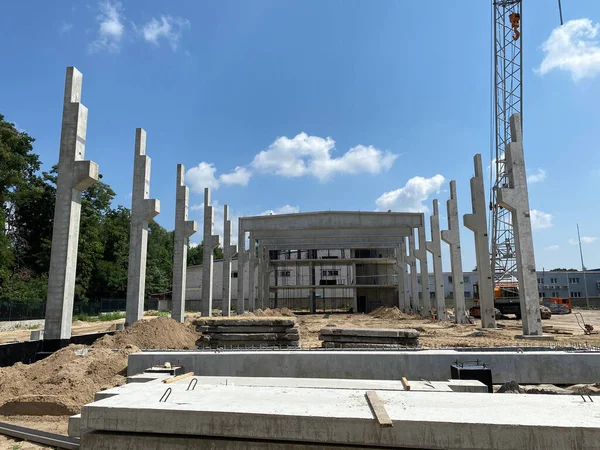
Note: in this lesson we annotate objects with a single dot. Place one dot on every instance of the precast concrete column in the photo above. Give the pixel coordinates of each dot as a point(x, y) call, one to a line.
point(228, 252)
point(421, 255)
point(183, 230)
point(477, 223)
point(354, 289)
point(451, 236)
point(265, 279)
point(252, 264)
point(74, 175)
point(406, 276)
point(241, 266)
point(210, 242)
point(515, 198)
point(402, 272)
point(260, 278)
point(435, 248)
point(143, 209)
point(414, 287)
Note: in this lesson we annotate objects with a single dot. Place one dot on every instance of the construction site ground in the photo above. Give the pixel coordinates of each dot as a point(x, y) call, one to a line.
point(42, 395)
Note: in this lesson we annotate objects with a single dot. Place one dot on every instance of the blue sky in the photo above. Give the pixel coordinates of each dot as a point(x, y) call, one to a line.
point(315, 105)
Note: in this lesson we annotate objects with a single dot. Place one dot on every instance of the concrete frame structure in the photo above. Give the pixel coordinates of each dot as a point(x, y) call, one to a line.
point(74, 175)
point(313, 231)
point(515, 198)
point(412, 261)
point(435, 248)
point(451, 236)
point(143, 209)
point(421, 255)
point(183, 230)
point(228, 252)
point(210, 242)
point(477, 223)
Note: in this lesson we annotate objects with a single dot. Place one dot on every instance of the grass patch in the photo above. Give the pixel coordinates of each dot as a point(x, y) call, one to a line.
point(107, 317)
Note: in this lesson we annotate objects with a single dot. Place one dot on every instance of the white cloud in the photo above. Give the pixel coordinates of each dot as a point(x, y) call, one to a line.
point(410, 198)
point(167, 28)
point(540, 220)
point(584, 240)
point(286, 209)
point(572, 47)
point(240, 175)
point(65, 27)
point(204, 176)
point(552, 247)
point(110, 28)
point(311, 155)
point(537, 177)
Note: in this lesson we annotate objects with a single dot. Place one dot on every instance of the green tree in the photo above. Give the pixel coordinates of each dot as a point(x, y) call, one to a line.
point(195, 254)
point(159, 264)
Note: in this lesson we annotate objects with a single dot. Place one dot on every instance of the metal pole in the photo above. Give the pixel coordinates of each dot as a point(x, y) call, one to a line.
point(560, 12)
point(587, 299)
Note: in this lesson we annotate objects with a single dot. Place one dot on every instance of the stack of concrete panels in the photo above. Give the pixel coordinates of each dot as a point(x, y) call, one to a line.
point(368, 338)
point(221, 332)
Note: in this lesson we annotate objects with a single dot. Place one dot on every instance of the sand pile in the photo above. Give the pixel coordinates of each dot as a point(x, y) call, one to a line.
point(162, 333)
point(385, 312)
point(63, 382)
point(275, 312)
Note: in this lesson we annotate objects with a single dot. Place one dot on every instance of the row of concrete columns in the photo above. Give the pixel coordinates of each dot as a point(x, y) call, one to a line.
point(76, 174)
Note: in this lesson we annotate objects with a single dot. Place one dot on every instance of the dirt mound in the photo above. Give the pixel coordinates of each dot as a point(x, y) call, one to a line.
point(63, 382)
point(385, 312)
point(275, 312)
point(162, 333)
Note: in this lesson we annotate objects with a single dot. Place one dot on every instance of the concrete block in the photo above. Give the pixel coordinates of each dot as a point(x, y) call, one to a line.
point(248, 343)
point(36, 335)
point(250, 321)
point(146, 377)
point(256, 337)
point(74, 426)
point(371, 332)
point(467, 386)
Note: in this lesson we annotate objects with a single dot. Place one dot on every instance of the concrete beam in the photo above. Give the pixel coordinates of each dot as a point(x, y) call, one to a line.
point(451, 236)
point(331, 220)
point(330, 243)
point(356, 233)
point(228, 252)
point(435, 248)
point(74, 175)
point(421, 255)
point(515, 198)
point(210, 242)
point(184, 228)
point(477, 223)
point(143, 209)
point(414, 287)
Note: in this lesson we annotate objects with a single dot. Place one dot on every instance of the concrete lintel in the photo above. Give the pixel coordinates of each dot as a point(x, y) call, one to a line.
point(143, 209)
point(435, 248)
point(516, 199)
point(74, 175)
point(183, 230)
point(477, 223)
point(451, 236)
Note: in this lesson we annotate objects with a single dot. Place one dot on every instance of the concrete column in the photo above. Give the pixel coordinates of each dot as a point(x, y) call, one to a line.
point(402, 271)
point(210, 242)
point(241, 266)
point(183, 230)
point(252, 264)
point(451, 236)
point(477, 223)
point(414, 286)
point(421, 255)
point(515, 198)
point(74, 175)
point(143, 209)
point(435, 248)
point(264, 302)
point(354, 290)
point(228, 252)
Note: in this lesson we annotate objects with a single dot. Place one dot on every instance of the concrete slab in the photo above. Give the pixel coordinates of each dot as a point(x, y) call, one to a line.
point(525, 367)
point(371, 332)
point(247, 321)
point(441, 420)
point(146, 377)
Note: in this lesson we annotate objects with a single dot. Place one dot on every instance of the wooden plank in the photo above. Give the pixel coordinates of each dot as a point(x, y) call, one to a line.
point(178, 377)
point(405, 383)
point(379, 410)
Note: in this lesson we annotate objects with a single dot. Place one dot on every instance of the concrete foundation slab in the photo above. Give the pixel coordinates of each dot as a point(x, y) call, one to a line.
point(441, 420)
point(524, 367)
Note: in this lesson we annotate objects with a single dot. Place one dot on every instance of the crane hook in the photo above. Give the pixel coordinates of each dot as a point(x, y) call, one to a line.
point(515, 19)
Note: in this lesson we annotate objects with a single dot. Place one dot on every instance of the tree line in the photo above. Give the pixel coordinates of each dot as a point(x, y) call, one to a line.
point(26, 219)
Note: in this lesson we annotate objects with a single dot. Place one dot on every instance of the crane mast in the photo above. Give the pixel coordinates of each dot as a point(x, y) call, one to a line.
point(508, 95)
